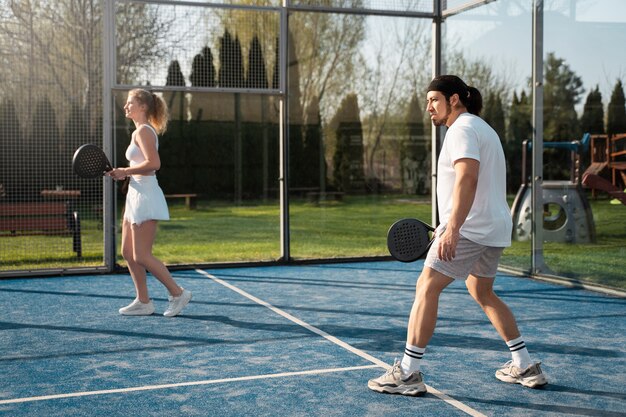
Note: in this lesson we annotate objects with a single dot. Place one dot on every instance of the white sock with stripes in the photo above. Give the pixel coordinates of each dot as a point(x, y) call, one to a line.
point(411, 359)
point(521, 357)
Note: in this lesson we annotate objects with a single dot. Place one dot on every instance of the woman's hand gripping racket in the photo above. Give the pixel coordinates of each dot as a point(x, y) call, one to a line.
point(90, 162)
point(409, 239)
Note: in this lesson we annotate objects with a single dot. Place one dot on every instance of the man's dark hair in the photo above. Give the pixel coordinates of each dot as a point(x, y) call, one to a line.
point(448, 85)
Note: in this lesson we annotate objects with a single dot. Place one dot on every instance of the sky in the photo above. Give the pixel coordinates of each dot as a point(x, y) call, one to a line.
point(590, 35)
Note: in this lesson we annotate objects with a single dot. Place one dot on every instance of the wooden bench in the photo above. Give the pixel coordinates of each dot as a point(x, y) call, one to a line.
point(316, 197)
point(41, 218)
point(190, 199)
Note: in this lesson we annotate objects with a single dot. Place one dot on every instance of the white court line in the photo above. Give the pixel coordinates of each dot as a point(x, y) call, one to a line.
point(182, 384)
point(451, 401)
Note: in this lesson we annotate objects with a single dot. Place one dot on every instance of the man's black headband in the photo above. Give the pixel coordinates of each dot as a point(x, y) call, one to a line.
point(449, 85)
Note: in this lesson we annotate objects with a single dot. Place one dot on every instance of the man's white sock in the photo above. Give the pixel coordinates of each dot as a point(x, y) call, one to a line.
point(411, 359)
point(519, 353)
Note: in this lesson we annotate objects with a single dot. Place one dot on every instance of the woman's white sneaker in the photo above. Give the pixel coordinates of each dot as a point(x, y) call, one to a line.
point(137, 308)
point(177, 303)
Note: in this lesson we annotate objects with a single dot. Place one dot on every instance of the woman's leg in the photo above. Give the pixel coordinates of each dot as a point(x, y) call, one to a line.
point(143, 239)
point(137, 271)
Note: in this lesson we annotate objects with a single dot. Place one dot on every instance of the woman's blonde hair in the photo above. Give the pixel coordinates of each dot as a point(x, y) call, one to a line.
point(157, 113)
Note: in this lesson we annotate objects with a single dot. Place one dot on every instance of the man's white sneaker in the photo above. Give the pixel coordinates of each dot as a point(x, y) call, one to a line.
point(394, 382)
point(137, 308)
point(530, 377)
point(177, 303)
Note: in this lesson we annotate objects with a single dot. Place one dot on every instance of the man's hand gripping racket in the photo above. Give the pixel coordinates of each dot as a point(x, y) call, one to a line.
point(409, 239)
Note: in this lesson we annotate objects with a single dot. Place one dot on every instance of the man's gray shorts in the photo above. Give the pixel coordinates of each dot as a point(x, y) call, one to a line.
point(471, 258)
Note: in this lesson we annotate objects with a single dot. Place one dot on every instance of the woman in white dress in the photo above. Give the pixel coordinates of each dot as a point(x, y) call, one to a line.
point(145, 204)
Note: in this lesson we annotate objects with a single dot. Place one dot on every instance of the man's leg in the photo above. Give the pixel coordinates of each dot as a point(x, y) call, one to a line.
point(404, 377)
point(423, 317)
point(499, 314)
point(521, 369)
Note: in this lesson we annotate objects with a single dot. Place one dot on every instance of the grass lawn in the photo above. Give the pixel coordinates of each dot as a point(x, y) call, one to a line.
point(354, 227)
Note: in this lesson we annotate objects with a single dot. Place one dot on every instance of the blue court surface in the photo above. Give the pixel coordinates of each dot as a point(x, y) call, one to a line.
point(298, 341)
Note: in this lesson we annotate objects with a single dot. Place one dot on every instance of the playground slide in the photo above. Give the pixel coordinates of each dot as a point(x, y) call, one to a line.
point(599, 183)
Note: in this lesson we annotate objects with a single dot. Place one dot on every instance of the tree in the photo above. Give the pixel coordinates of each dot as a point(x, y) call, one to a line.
point(480, 74)
point(383, 97)
point(75, 133)
point(314, 161)
point(348, 173)
point(56, 50)
point(519, 129)
point(414, 151)
point(12, 155)
point(327, 47)
point(175, 100)
point(520, 119)
point(616, 114)
point(562, 91)
point(202, 75)
point(257, 75)
point(256, 135)
point(203, 69)
point(493, 114)
point(44, 150)
point(592, 120)
point(231, 72)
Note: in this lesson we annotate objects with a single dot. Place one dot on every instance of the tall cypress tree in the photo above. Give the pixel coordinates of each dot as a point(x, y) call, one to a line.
point(45, 153)
point(12, 153)
point(314, 163)
point(230, 74)
point(175, 173)
point(592, 120)
point(616, 114)
point(348, 172)
point(257, 75)
point(296, 118)
point(203, 69)
point(75, 132)
point(255, 130)
point(413, 149)
point(175, 99)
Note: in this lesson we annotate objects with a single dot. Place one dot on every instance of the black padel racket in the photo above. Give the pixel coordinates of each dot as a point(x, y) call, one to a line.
point(409, 239)
point(90, 161)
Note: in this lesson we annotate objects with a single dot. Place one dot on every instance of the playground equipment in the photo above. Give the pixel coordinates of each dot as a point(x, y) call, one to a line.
point(607, 158)
point(567, 215)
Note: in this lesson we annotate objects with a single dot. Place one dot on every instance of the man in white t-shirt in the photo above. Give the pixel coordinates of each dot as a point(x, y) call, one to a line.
point(474, 230)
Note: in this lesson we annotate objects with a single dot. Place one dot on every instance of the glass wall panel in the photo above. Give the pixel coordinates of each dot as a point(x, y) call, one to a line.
point(195, 45)
point(490, 47)
point(584, 93)
point(359, 141)
point(380, 5)
point(50, 95)
point(219, 173)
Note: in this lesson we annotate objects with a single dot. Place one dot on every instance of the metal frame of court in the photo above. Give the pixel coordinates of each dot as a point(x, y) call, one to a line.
point(438, 16)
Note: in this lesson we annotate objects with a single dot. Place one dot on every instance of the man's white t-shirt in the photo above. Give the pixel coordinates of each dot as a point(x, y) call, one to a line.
point(489, 220)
